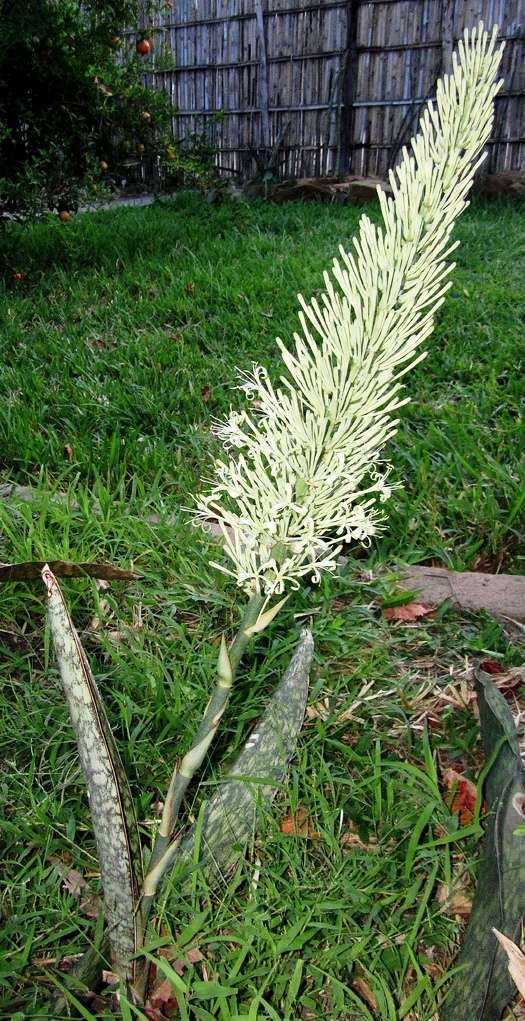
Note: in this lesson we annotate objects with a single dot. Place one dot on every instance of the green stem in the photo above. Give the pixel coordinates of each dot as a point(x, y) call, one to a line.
point(194, 757)
point(242, 640)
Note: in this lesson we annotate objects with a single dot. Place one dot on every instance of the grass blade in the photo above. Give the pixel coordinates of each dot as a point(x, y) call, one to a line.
point(111, 805)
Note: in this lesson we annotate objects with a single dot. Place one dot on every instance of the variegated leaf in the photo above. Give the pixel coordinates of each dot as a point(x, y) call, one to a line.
point(110, 801)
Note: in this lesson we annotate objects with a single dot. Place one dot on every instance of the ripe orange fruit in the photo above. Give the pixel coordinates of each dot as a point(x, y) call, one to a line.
point(17, 276)
point(171, 156)
point(64, 215)
point(143, 47)
point(103, 165)
point(146, 115)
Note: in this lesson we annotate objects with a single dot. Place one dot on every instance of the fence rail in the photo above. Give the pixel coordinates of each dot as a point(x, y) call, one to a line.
point(337, 85)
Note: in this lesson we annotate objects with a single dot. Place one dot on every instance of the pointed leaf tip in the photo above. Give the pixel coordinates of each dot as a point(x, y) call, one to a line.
point(265, 618)
point(224, 667)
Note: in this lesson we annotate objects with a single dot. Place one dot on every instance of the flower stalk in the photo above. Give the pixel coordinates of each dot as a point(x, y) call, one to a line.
point(302, 473)
point(166, 842)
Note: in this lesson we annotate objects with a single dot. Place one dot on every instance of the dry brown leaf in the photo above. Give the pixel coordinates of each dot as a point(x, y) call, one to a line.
point(193, 956)
point(162, 999)
point(353, 840)
point(110, 978)
point(363, 989)
point(516, 960)
point(32, 570)
point(409, 612)
point(461, 795)
point(297, 822)
point(75, 884)
point(454, 901)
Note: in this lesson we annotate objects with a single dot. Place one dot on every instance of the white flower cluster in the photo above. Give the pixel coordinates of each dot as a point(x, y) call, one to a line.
point(301, 475)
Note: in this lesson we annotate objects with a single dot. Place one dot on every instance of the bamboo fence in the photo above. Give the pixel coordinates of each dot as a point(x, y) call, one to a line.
point(330, 87)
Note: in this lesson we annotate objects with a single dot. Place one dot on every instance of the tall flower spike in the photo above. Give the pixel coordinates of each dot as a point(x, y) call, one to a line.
point(301, 472)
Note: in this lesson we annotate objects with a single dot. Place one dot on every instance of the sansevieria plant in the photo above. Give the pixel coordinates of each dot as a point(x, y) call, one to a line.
point(300, 476)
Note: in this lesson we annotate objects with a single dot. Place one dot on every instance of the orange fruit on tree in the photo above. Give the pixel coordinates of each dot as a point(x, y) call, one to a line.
point(143, 47)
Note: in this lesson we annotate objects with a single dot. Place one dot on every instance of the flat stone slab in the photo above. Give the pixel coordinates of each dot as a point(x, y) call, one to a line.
point(500, 595)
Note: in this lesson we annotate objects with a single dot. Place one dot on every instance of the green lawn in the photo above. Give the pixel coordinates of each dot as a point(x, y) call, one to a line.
point(120, 323)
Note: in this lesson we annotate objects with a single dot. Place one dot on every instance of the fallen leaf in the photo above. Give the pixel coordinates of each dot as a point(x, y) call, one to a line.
point(364, 990)
point(74, 883)
point(454, 901)
point(408, 612)
point(190, 289)
point(516, 960)
point(490, 667)
point(461, 796)
point(110, 978)
point(193, 956)
point(353, 840)
point(205, 394)
point(31, 570)
point(68, 452)
point(297, 822)
point(162, 999)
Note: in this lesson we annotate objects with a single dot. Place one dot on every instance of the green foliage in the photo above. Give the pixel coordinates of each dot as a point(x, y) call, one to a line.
point(75, 116)
point(105, 349)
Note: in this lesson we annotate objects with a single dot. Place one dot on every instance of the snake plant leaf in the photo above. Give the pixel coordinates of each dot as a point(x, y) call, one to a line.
point(110, 801)
point(482, 987)
point(230, 819)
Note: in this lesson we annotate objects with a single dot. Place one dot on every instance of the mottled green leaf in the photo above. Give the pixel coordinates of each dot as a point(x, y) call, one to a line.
point(483, 987)
point(110, 801)
point(230, 819)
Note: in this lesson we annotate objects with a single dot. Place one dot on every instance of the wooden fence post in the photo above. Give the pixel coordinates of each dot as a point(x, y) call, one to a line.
point(349, 91)
point(263, 77)
point(447, 35)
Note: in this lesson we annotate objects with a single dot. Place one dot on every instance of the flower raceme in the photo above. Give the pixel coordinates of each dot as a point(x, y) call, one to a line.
point(302, 471)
